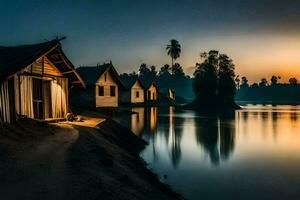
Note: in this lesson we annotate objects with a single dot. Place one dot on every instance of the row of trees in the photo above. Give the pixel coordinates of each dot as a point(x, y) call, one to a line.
point(244, 83)
point(268, 91)
point(150, 72)
point(167, 76)
point(213, 80)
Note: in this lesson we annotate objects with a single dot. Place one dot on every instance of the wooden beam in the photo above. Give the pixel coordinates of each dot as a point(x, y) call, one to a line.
point(68, 72)
point(19, 85)
point(43, 65)
point(10, 76)
point(58, 62)
point(54, 55)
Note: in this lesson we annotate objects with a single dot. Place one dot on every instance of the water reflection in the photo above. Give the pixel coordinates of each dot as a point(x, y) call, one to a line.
point(227, 139)
point(216, 137)
point(211, 158)
point(151, 120)
point(138, 120)
point(175, 136)
point(143, 121)
point(207, 137)
point(294, 117)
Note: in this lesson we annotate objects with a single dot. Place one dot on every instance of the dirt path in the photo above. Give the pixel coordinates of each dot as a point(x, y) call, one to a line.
point(37, 169)
point(75, 162)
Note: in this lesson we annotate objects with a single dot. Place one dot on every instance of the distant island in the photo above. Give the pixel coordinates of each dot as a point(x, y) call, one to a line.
point(214, 84)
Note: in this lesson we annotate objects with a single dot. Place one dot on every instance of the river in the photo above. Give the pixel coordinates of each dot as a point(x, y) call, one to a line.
point(254, 155)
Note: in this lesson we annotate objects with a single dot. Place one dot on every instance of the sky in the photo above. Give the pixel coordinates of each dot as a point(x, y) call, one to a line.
point(261, 36)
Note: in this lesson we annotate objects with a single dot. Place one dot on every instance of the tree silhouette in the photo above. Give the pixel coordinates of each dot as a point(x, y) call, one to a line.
point(254, 85)
point(237, 81)
point(293, 81)
point(205, 76)
point(174, 50)
point(144, 70)
point(277, 93)
point(244, 83)
point(147, 73)
point(164, 69)
point(203, 56)
point(153, 71)
point(177, 70)
point(274, 80)
point(263, 82)
point(133, 74)
point(214, 80)
point(226, 84)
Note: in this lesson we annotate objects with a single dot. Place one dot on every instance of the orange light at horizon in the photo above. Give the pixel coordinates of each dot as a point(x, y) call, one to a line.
point(255, 56)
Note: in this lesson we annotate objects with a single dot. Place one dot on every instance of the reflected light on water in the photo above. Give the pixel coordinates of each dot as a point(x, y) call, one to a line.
point(254, 154)
point(153, 119)
point(138, 120)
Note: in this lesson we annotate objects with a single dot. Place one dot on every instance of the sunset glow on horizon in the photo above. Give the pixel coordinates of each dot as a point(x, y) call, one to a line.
point(262, 37)
point(257, 57)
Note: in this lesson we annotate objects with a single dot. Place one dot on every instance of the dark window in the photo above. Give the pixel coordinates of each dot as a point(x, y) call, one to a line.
point(137, 94)
point(112, 91)
point(105, 77)
point(100, 90)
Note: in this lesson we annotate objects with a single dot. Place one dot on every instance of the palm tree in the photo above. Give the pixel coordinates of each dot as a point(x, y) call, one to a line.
point(174, 50)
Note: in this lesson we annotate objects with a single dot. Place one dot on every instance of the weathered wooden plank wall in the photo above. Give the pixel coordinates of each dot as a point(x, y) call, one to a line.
point(5, 113)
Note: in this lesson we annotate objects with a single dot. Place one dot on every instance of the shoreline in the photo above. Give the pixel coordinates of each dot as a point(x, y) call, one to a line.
point(268, 103)
point(70, 161)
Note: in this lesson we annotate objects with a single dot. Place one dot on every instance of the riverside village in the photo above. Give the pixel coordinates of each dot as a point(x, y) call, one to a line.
point(149, 100)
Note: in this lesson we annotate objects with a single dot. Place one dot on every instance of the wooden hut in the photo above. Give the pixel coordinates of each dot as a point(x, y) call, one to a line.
point(151, 90)
point(133, 92)
point(103, 84)
point(34, 81)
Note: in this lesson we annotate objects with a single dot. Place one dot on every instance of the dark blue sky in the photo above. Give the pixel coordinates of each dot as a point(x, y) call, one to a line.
point(132, 32)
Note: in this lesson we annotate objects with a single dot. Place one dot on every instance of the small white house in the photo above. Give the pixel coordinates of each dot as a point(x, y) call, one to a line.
point(103, 84)
point(151, 91)
point(134, 92)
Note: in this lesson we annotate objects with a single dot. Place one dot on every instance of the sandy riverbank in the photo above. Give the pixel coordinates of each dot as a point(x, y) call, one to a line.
point(71, 161)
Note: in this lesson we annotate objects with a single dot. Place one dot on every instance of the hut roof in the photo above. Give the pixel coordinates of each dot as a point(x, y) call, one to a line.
point(147, 83)
point(16, 58)
point(90, 74)
point(130, 81)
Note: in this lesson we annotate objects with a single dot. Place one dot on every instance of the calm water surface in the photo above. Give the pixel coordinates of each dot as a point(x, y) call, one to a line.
point(254, 155)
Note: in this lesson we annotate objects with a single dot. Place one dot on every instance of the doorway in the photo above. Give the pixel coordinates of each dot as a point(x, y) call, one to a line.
point(37, 94)
point(42, 108)
point(47, 99)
